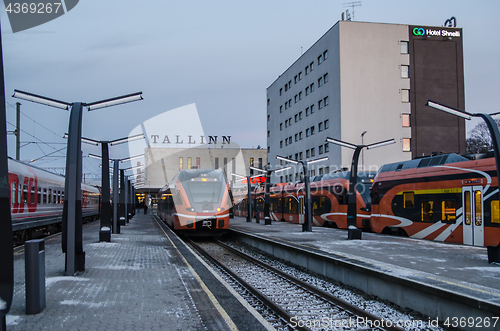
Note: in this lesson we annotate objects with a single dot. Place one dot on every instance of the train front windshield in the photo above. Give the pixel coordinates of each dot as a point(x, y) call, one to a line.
point(204, 192)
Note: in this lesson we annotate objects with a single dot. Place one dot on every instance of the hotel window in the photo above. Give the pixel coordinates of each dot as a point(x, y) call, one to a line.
point(295, 79)
point(320, 59)
point(320, 104)
point(296, 137)
point(300, 75)
point(268, 133)
point(307, 90)
point(307, 154)
point(286, 123)
point(198, 163)
point(320, 170)
point(296, 156)
point(320, 148)
point(320, 81)
point(290, 121)
point(286, 105)
point(281, 126)
point(281, 144)
point(307, 132)
point(296, 118)
point(320, 128)
point(180, 163)
point(289, 103)
point(326, 101)
point(405, 71)
point(281, 109)
point(300, 116)
point(327, 148)
point(311, 66)
point(307, 70)
point(325, 55)
point(290, 140)
point(300, 155)
point(406, 120)
point(406, 144)
point(312, 130)
point(216, 163)
point(325, 78)
point(290, 84)
point(405, 47)
point(327, 124)
point(312, 152)
point(307, 111)
point(312, 109)
point(312, 87)
point(405, 95)
point(296, 98)
point(286, 87)
point(268, 117)
point(300, 135)
point(300, 95)
point(268, 150)
point(189, 162)
point(268, 101)
point(286, 142)
point(281, 91)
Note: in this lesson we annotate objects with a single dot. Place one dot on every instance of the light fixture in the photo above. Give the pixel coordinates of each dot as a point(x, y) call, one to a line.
point(132, 158)
point(95, 156)
point(286, 159)
point(114, 101)
point(380, 144)
point(257, 169)
point(341, 143)
point(42, 100)
point(318, 160)
point(449, 110)
point(85, 140)
point(132, 168)
point(236, 175)
point(282, 169)
point(127, 139)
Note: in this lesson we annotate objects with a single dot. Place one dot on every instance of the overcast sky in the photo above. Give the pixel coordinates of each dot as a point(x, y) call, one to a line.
point(220, 55)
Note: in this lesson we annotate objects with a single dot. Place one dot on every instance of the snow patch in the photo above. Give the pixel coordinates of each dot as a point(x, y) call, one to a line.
point(12, 319)
point(51, 280)
point(102, 244)
point(121, 267)
point(105, 228)
point(88, 304)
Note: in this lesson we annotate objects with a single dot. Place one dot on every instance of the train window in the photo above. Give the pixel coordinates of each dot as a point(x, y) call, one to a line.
point(478, 220)
point(39, 196)
point(13, 193)
point(468, 216)
point(448, 211)
point(408, 200)
point(58, 196)
point(25, 194)
point(49, 198)
point(427, 211)
point(495, 212)
point(19, 193)
point(44, 196)
point(62, 197)
point(32, 195)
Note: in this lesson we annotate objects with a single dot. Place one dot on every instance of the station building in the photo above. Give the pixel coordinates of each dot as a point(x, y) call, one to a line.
point(363, 83)
point(163, 163)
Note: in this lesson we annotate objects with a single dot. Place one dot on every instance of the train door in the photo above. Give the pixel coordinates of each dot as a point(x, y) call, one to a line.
point(472, 211)
point(301, 209)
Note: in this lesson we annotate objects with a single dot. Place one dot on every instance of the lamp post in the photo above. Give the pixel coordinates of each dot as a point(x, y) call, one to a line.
point(493, 251)
point(249, 199)
point(362, 151)
point(352, 230)
point(267, 198)
point(307, 226)
point(72, 212)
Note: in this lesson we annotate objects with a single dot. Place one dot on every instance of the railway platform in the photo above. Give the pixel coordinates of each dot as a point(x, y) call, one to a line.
point(144, 279)
point(436, 279)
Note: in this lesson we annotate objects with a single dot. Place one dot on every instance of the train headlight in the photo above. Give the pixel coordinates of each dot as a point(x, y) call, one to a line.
point(190, 209)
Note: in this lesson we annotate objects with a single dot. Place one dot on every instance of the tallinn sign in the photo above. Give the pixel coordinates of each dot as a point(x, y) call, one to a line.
point(190, 140)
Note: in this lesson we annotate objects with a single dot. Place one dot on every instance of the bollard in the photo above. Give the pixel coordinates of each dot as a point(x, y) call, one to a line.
point(34, 258)
point(268, 220)
point(353, 233)
point(105, 234)
point(122, 220)
point(257, 217)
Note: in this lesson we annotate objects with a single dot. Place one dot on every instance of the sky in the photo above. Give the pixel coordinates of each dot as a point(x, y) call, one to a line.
point(219, 55)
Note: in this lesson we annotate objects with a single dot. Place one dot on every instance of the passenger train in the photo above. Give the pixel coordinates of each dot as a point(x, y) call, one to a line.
point(36, 200)
point(448, 198)
point(196, 202)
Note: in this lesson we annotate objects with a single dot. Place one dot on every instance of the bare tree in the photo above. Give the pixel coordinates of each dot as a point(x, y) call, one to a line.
point(479, 140)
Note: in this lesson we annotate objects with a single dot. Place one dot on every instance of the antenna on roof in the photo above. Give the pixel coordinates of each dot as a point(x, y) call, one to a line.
point(352, 5)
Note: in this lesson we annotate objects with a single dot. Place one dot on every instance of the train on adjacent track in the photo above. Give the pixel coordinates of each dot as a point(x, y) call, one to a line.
point(196, 202)
point(37, 198)
point(447, 198)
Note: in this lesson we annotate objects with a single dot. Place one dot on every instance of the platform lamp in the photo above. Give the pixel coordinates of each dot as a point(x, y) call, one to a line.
point(352, 230)
point(106, 210)
point(307, 226)
point(267, 201)
point(72, 214)
point(493, 251)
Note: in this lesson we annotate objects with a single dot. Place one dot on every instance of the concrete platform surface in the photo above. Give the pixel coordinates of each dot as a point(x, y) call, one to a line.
point(139, 281)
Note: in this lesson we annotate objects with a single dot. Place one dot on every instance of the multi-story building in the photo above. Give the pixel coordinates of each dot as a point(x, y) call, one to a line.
point(363, 83)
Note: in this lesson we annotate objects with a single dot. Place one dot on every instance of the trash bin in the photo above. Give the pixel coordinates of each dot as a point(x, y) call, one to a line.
point(35, 275)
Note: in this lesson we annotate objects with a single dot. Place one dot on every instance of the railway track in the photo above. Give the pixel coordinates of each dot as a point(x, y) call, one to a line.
point(286, 302)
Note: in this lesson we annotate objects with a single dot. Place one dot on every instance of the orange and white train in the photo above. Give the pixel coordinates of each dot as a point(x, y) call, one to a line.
point(36, 200)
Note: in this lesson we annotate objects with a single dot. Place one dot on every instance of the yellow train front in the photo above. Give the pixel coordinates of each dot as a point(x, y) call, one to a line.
point(196, 202)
